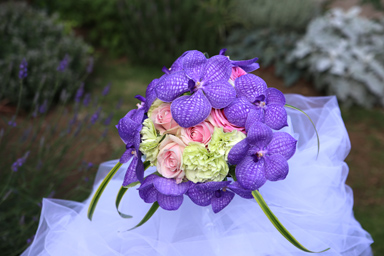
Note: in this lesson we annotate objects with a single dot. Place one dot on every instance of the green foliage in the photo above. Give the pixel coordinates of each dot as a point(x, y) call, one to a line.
point(159, 31)
point(269, 45)
point(344, 54)
point(43, 42)
point(277, 14)
point(153, 32)
point(99, 19)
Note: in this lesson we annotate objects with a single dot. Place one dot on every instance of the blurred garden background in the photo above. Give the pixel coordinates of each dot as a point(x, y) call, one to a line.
point(69, 70)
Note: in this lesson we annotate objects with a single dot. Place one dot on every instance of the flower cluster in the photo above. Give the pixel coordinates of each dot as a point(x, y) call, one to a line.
point(201, 119)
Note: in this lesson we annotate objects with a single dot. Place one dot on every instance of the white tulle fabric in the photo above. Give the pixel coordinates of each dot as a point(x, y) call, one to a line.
point(313, 203)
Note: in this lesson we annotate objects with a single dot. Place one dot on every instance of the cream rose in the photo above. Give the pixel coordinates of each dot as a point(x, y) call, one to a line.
point(170, 158)
point(199, 133)
point(162, 119)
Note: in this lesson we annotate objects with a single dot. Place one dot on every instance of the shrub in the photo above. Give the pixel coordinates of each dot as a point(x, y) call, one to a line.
point(151, 32)
point(46, 44)
point(344, 54)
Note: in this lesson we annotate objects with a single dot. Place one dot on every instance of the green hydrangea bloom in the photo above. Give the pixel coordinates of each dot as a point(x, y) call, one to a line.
point(222, 142)
point(201, 165)
point(150, 141)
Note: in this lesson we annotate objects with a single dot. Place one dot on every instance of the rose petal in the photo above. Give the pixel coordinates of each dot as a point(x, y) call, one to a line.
point(189, 111)
point(274, 96)
point(172, 86)
point(194, 63)
point(238, 152)
point(130, 175)
point(239, 190)
point(199, 197)
point(220, 94)
point(221, 199)
point(237, 112)
point(250, 87)
point(282, 143)
point(275, 116)
point(212, 185)
point(276, 167)
point(170, 203)
point(259, 135)
point(169, 187)
point(251, 174)
point(217, 68)
point(255, 115)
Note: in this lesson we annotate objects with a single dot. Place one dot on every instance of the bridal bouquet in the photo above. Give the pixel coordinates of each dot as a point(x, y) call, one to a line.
point(211, 129)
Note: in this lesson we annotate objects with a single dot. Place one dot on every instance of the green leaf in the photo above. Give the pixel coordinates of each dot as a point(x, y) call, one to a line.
point(100, 189)
point(120, 196)
point(147, 216)
point(275, 221)
point(317, 134)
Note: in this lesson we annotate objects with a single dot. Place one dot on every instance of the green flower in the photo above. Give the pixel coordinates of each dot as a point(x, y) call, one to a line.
point(201, 165)
point(222, 142)
point(150, 141)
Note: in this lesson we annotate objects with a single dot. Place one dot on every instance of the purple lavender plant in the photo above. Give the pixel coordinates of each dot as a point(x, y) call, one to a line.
point(19, 162)
point(63, 64)
point(23, 73)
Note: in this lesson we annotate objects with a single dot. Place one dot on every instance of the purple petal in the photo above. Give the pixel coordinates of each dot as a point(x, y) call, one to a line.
point(170, 203)
point(246, 65)
point(275, 116)
point(255, 115)
point(251, 174)
point(283, 144)
point(250, 87)
point(238, 152)
point(217, 68)
point(130, 175)
point(178, 64)
point(239, 190)
point(169, 187)
point(149, 194)
point(172, 86)
point(193, 63)
point(221, 199)
point(274, 96)
point(127, 155)
point(138, 116)
point(139, 168)
point(199, 197)
point(276, 167)
point(259, 135)
point(150, 94)
point(237, 112)
point(220, 94)
point(189, 111)
point(212, 185)
point(127, 129)
point(148, 181)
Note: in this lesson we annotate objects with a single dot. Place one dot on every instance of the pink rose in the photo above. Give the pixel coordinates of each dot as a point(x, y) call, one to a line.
point(199, 133)
point(237, 72)
point(218, 119)
point(162, 119)
point(170, 158)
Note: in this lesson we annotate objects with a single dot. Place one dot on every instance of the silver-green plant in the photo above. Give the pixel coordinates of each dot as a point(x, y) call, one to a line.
point(344, 54)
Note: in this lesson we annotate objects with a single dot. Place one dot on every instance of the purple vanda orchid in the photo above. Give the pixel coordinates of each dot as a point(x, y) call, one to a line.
point(253, 94)
point(207, 82)
point(216, 194)
point(246, 65)
point(165, 191)
point(262, 156)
